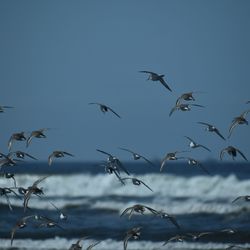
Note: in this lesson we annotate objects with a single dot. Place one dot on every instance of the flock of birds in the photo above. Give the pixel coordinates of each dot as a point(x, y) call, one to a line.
point(114, 166)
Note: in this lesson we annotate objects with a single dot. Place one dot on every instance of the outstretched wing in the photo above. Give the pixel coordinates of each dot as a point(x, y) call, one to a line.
point(231, 128)
point(146, 185)
point(113, 112)
point(66, 153)
point(243, 156)
point(101, 151)
point(93, 245)
point(200, 145)
point(162, 81)
point(172, 110)
point(219, 134)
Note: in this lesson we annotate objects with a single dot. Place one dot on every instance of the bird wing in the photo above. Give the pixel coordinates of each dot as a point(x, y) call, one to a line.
point(30, 156)
point(153, 211)
point(204, 169)
point(146, 185)
point(172, 110)
point(113, 112)
point(66, 153)
point(237, 198)
point(147, 160)
point(10, 142)
point(204, 123)
point(50, 158)
point(40, 180)
point(190, 139)
point(222, 152)
point(126, 210)
point(200, 145)
point(149, 72)
point(219, 134)
point(128, 150)
point(29, 140)
point(232, 126)
point(125, 241)
point(104, 152)
point(243, 156)
point(197, 105)
point(92, 245)
point(165, 84)
point(163, 163)
point(174, 221)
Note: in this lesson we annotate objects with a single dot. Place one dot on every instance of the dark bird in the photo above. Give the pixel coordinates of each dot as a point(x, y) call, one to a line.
point(231, 151)
point(62, 216)
point(239, 120)
point(7, 161)
point(137, 156)
point(16, 137)
point(195, 163)
point(105, 108)
point(110, 169)
point(5, 192)
point(138, 208)
point(33, 190)
point(155, 77)
point(212, 128)
point(2, 108)
point(170, 157)
point(36, 134)
point(21, 155)
point(169, 217)
point(77, 245)
point(114, 162)
point(193, 144)
point(242, 197)
point(137, 182)
point(9, 176)
point(184, 107)
point(19, 225)
point(133, 233)
point(57, 154)
point(177, 238)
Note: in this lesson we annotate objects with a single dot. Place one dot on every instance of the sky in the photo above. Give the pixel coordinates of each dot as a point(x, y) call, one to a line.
point(58, 56)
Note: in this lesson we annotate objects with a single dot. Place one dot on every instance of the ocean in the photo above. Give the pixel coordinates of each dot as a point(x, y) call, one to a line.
point(93, 201)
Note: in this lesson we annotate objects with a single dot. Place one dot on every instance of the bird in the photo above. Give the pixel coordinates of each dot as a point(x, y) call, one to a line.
point(232, 151)
point(188, 96)
point(20, 136)
point(184, 107)
point(33, 190)
point(137, 156)
point(62, 216)
point(155, 77)
point(10, 176)
point(138, 208)
point(57, 154)
point(2, 108)
point(19, 225)
point(137, 182)
point(239, 120)
point(77, 245)
point(5, 191)
point(21, 154)
point(114, 162)
point(110, 169)
point(134, 233)
point(178, 238)
point(193, 144)
point(36, 134)
point(47, 222)
point(167, 216)
point(212, 128)
point(104, 108)
point(194, 162)
point(7, 161)
point(170, 157)
point(242, 197)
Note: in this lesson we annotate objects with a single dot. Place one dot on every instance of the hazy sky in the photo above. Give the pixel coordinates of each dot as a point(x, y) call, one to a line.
point(57, 56)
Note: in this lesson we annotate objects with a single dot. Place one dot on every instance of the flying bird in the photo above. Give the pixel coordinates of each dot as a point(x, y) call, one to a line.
point(114, 162)
point(169, 217)
point(138, 208)
point(170, 157)
point(4, 192)
point(231, 151)
point(239, 120)
point(36, 134)
point(57, 154)
point(2, 108)
point(137, 182)
point(132, 233)
point(184, 107)
point(178, 238)
point(193, 144)
point(242, 197)
point(155, 77)
point(137, 156)
point(187, 97)
point(33, 190)
point(105, 108)
point(212, 128)
point(62, 216)
point(19, 225)
point(193, 162)
point(16, 137)
point(21, 155)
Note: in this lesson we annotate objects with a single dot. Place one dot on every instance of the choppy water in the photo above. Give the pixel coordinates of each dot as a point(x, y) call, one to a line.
point(94, 200)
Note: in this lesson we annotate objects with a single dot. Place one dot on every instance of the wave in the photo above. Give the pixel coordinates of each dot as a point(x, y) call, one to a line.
point(109, 244)
point(175, 193)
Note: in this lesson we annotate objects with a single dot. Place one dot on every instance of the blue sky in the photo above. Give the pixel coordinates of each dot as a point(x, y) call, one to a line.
point(57, 56)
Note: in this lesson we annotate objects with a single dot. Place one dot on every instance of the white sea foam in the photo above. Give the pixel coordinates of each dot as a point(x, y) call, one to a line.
point(174, 193)
point(108, 244)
